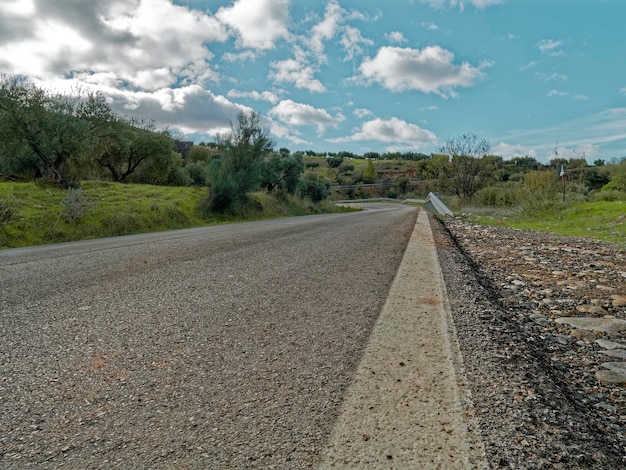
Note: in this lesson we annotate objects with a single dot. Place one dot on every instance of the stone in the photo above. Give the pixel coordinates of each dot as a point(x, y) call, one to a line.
point(584, 334)
point(594, 309)
point(616, 373)
point(605, 325)
point(617, 353)
point(619, 300)
point(607, 344)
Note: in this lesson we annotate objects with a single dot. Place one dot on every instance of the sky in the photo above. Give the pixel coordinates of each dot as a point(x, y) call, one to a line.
point(532, 77)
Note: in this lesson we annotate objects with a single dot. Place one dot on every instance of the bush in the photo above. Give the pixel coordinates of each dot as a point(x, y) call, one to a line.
point(8, 213)
point(75, 205)
point(506, 195)
point(316, 189)
point(608, 195)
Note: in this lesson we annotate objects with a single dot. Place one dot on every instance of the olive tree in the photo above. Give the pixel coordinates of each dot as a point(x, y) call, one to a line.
point(40, 132)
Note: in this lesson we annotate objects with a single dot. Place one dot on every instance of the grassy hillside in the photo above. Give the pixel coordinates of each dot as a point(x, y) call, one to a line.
point(113, 209)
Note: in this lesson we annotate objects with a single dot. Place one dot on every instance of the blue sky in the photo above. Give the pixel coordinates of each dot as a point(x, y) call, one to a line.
point(333, 75)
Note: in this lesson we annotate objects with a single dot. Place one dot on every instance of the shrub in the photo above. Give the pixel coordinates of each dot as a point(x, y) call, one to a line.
point(75, 205)
point(8, 213)
point(314, 188)
point(506, 195)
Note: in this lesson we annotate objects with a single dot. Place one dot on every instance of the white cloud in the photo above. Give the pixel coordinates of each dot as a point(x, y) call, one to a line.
point(550, 47)
point(97, 37)
point(294, 71)
point(430, 70)
point(255, 95)
point(326, 29)
point(240, 57)
point(395, 36)
point(362, 112)
point(351, 40)
point(257, 23)
point(392, 130)
point(299, 114)
point(18, 7)
point(623, 90)
point(564, 94)
point(430, 26)
point(506, 150)
point(480, 4)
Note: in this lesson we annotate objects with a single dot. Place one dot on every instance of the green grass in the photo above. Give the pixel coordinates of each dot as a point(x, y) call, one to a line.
point(122, 209)
point(603, 220)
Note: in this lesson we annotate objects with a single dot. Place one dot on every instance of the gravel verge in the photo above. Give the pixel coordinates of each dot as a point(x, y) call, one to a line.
point(536, 394)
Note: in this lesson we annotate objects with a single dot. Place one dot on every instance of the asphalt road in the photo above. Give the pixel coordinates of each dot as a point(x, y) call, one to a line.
point(221, 347)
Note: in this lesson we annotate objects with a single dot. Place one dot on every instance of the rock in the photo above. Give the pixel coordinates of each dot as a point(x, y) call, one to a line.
point(605, 325)
point(539, 318)
point(617, 353)
point(594, 309)
point(616, 373)
point(584, 334)
point(619, 300)
point(606, 344)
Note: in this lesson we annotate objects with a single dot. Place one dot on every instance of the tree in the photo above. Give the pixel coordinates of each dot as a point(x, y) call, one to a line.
point(239, 170)
point(369, 176)
point(282, 171)
point(38, 129)
point(470, 167)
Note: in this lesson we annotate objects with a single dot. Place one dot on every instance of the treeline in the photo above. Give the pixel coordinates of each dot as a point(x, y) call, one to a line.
point(64, 140)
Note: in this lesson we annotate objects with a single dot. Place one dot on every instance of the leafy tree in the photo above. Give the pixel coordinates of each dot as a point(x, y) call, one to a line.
point(470, 167)
point(317, 189)
point(239, 170)
point(334, 162)
point(369, 176)
point(282, 171)
point(39, 129)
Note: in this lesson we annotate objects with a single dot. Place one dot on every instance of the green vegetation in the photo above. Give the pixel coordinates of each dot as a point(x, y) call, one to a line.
point(69, 161)
point(602, 220)
point(38, 213)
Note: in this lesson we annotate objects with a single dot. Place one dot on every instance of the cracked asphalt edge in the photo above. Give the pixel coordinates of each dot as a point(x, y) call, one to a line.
point(407, 406)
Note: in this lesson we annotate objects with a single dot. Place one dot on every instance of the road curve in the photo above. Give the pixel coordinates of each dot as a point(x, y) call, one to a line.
point(221, 347)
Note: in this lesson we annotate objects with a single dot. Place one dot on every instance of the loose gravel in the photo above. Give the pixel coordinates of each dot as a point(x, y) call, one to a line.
point(536, 391)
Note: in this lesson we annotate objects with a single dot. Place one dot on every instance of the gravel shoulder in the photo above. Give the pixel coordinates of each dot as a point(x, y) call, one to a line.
point(534, 380)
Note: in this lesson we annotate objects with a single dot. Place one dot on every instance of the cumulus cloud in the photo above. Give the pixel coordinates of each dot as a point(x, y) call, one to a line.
point(361, 112)
point(299, 114)
point(296, 72)
point(189, 109)
point(326, 29)
point(332, 25)
point(392, 130)
point(395, 36)
point(430, 70)
point(254, 95)
point(258, 24)
point(65, 37)
point(353, 42)
point(430, 26)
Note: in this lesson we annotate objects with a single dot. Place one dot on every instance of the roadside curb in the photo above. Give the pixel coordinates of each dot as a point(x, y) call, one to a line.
point(404, 408)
